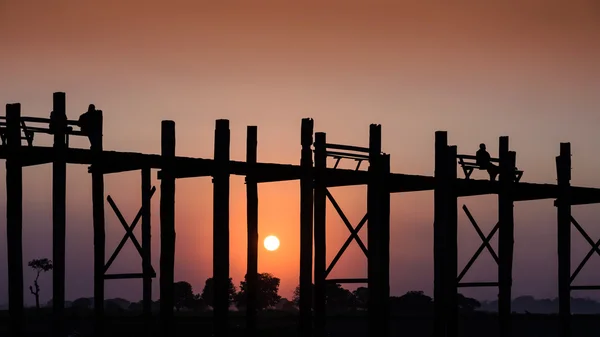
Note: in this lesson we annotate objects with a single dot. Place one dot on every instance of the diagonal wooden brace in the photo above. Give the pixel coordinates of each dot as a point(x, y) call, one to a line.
point(128, 231)
point(353, 236)
point(595, 248)
point(346, 221)
point(485, 243)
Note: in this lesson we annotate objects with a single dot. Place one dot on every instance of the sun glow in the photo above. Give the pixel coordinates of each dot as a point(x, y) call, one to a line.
point(271, 243)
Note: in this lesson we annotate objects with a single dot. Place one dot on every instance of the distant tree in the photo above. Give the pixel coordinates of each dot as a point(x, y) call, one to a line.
point(82, 303)
point(296, 297)
point(361, 294)
point(39, 265)
point(209, 290)
point(267, 292)
point(467, 304)
point(415, 302)
point(338, 298)
point(198, 303)
point(183, 295)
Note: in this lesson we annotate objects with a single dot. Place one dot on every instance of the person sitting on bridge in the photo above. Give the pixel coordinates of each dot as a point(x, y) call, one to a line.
point(483, 160)
point(88, 123)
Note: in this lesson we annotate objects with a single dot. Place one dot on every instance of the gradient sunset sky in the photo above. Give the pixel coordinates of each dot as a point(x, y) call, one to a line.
point(526, 69)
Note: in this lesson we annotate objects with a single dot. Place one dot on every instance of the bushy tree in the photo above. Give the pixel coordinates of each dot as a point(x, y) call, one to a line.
point(361, 295)
point(183, 296)
point(39, 265)
point(209, 290)
point(267, 292)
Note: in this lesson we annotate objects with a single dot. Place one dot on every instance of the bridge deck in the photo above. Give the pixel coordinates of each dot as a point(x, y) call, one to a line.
point(113, 161)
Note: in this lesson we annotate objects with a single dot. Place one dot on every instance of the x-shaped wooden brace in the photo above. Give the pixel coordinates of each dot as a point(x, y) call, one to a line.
point(595, 248)
point(353, 233)
point(128, 232)
point(485, 243)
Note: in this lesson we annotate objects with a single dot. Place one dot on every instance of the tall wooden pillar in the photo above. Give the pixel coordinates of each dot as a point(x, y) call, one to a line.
point(320, 232)
point(252, 218)
point(221, 227)
point(58, 121)
point(506, 235)
point(374, 200)
point(14, 218)
point(439, 233)
point(146, 180)
point(306, 227)
point(452, 246)
point(167, 227)
point(384, 245)
point(95, 135)
point(563, 167)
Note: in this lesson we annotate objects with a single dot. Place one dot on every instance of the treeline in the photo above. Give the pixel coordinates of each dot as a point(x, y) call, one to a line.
point(338, 299)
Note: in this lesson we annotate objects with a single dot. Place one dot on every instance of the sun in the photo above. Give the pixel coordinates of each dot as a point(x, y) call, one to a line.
point(271, 243)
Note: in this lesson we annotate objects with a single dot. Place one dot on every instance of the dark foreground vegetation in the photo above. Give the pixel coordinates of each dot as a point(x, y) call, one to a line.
point(411, 314)
point(280, 323)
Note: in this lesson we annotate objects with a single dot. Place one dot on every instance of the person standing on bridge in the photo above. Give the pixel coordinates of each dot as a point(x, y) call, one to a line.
point(90, 123)
point(483, 160)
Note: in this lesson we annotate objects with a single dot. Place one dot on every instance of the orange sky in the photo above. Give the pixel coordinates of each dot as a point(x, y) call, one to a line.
point(525, 69)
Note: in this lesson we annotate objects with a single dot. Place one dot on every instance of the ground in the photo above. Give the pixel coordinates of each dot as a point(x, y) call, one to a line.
point(285, 324)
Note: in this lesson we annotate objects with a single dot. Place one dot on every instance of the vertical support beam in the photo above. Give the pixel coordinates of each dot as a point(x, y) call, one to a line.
point(95, 135)
point(439, 233)
point(563, 167)
point(146, 244)
point(375, 301)
point(320, 232)
point(221, 226)
point(506, 235)
point(306, 226)
point(167, 226)
point(58, 119)
point(452, 246)
point(14, 219)
point(252, 218)
point(384, 245)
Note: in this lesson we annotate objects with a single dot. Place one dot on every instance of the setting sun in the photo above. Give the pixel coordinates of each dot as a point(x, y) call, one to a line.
point(271, 243)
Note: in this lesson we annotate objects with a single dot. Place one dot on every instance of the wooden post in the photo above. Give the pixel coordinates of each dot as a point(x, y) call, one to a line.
point(14, 219)
point(452, 246)
point(58, 120)
point(506, 235)
point(146, 243)
point(95, 135)
point(167, 226)
point(439, 233)
point(252, 218)
point(221, 227)
point(563, 167)
point(320, 232)
point(375, 301)
point(384, 246)
point(306, 227)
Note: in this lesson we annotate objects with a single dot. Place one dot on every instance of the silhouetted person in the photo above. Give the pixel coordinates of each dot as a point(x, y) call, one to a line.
point(53, 121)
point(483, 159)
point(90, 124)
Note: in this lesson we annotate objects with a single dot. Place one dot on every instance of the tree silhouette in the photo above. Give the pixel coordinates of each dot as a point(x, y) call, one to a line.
point(296, 297)
point(337, 297)
point(209, 290)
point(361, 295)
point(39, 265)
point(82, 303)
point(267, 292)
point(414, 302)
point(467, 304)
point(183, 295)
